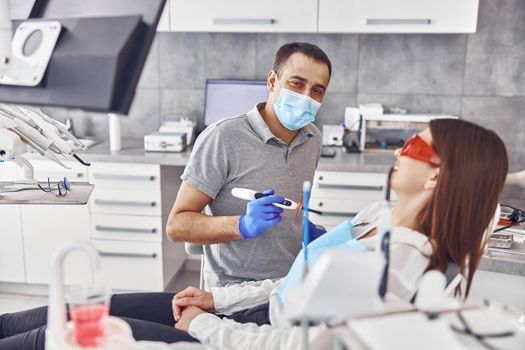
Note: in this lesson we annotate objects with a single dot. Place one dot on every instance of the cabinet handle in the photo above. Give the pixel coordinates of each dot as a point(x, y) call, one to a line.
point(338, 213)
point(79, 175)
point(352, 187)
point(127, 255)
point(243, 21)
point(124, 203)
point(124, 229)
point(123, 177)
point(397, 21)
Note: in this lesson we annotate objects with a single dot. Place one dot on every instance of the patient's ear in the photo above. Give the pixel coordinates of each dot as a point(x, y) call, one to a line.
point(431, 182)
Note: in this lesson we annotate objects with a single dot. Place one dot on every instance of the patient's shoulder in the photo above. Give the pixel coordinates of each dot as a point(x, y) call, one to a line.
point(367, 215)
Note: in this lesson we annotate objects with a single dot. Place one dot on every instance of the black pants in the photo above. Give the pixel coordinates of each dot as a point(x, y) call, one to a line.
point(149, 315)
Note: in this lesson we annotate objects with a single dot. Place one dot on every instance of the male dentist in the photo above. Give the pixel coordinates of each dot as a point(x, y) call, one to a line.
point(274, 146)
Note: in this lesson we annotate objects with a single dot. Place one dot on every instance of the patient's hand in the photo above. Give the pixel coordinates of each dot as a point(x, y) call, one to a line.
point(192, 296)
point(188, 314)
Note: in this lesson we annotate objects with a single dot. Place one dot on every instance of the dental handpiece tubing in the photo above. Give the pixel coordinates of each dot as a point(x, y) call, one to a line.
point(306, 236)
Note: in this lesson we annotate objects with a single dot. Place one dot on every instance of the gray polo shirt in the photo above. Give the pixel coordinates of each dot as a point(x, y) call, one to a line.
point(243, 152)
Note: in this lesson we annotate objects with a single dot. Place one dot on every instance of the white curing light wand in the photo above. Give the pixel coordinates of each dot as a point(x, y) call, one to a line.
point(249, 195)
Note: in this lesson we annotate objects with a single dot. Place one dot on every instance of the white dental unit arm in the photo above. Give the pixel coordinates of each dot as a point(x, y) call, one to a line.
point(23, 128)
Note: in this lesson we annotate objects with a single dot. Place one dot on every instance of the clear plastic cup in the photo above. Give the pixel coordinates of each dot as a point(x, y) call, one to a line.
point(89, 310)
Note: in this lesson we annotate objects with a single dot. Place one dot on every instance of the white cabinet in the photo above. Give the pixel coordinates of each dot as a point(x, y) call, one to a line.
point(125, 219)
point(12, 268)
point(45, 228)
point(399, 16)
point(341, 195)
point(128, 218)
point(244, 16)
point(164, 22)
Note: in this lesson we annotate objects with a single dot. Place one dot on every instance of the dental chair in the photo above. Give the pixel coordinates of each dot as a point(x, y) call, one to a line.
point(198, 249)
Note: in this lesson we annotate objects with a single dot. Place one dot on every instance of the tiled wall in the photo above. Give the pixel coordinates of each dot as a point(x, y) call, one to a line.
point(480, 77)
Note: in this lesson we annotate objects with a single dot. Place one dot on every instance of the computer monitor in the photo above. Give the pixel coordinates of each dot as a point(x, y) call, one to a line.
point(229, 98)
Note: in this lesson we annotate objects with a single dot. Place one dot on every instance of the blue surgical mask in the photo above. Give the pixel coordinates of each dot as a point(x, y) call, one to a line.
point(295, 110)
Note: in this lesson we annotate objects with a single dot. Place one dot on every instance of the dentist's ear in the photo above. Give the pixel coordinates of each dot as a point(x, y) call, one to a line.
point(431, 182)
point(272, 80)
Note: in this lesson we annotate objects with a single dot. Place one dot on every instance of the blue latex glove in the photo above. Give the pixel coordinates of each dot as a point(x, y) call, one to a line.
point(340, 237)
point(260, 215)
point(314, 231)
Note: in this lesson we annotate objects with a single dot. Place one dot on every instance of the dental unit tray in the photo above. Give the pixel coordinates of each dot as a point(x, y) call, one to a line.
point(250, 195)
point(331, 290)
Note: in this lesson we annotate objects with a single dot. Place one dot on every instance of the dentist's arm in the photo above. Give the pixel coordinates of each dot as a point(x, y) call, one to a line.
point(186, 222)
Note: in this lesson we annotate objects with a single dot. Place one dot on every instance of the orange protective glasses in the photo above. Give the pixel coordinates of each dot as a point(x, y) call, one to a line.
point(416, 148)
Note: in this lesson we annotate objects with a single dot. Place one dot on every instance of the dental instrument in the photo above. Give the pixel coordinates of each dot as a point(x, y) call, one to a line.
point(249, 195)
point(307, 186)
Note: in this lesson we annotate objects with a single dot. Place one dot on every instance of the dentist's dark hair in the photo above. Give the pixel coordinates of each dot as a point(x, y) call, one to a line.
point(309, 50)
point(471, 177)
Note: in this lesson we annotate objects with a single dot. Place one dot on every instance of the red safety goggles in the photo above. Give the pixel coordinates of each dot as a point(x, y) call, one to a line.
point(416, 148)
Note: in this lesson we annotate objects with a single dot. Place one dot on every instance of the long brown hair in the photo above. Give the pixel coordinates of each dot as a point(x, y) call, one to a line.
point(471, 177)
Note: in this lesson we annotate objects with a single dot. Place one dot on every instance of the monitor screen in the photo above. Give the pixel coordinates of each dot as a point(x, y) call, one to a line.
point(229, 98)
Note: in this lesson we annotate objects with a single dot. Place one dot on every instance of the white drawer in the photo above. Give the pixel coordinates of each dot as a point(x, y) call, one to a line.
point(44, 169)
point(125, 176)
point(125, 227)
point(335, 180)
point(105, 201)
point(130, 265)
point(342, 208)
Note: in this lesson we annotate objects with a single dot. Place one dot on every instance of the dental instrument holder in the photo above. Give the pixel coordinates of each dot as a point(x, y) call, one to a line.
point(26, 172)
point(59, 332)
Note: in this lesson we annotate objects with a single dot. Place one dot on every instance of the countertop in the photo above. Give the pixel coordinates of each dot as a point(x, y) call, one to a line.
point(380, 161)
point(133, 152)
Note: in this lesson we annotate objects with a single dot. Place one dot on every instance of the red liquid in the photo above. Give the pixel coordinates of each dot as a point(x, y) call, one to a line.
point(90, 322)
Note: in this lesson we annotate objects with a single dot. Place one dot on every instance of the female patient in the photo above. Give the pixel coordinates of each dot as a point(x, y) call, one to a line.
point(447, 180)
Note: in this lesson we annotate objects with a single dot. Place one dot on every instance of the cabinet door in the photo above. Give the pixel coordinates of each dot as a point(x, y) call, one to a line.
point(244, 16)
point(11, 247)
point(400, 16)
point(45, 229)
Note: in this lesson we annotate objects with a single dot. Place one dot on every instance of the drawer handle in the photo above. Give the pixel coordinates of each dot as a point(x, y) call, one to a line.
point(123, 177)
point(124, 229)
point(244, 21)
point(398, 21)
point(127, 255)
point(124, 203)
point(352, 187)
point(338, 213)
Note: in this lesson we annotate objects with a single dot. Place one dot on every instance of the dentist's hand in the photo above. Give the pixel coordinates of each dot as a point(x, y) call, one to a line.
point(314, 231)
point(260, 215)
point(191, 296)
